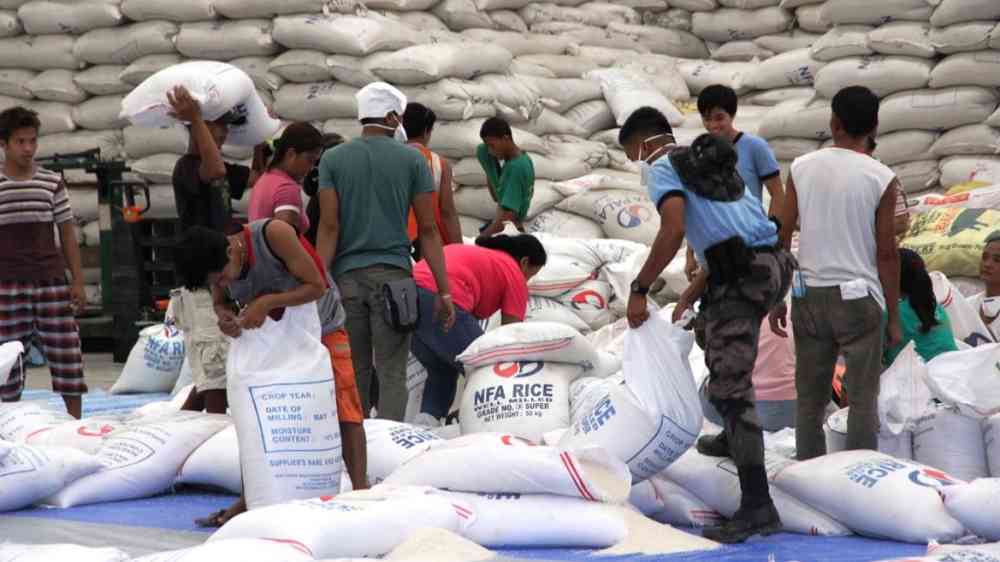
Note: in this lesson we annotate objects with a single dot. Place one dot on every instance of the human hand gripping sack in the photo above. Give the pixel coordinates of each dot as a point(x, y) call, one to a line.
point(184, 106)
point(638, 311)
point(228, 323)
point(254, 315)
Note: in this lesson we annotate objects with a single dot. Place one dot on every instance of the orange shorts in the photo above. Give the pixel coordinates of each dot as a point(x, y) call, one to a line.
point(348, 399)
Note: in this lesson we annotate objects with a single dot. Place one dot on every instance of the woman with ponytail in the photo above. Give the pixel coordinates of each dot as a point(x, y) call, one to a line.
point(489, 277)
point(278, 192)
point(923, 320)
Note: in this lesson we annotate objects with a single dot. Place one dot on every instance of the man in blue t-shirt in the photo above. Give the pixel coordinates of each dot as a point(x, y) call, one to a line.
point(699, 194)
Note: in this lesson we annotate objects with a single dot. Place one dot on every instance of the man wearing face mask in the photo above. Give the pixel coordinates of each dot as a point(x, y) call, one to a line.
point(700, 194)
point(366, 189)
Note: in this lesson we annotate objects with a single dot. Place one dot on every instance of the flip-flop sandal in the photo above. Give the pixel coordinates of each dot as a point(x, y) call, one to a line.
point(216, 519)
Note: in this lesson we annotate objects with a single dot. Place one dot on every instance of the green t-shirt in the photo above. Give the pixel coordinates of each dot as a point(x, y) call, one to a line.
point(514, 181)
point(376, 179)
point(938, 340)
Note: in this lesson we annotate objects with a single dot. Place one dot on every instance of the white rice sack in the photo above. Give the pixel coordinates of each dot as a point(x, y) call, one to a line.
point(957, 378)
point(393, 444)
point(903, 38)
point(558, 94)
point(591, 303)
point(536, 342)
point(843, 41)
point(216, 463)
point(957, 11)
point(40, 53)
point(729, 24)
point(340, 527)
point(741, 51)
point(663, 72)
point(541, 309)
point(627, 91)
point(959, 169)
point(877, 495)
point(540, 521)
point(843, 12)
point(226, 40)
point(258, 69)
point(56, 18)
point(245, 9)
point(14, 83)
point(126, 44)
point(176, 10)
point(299, 65)
point(521, 43)
point(788, 41)
point(245, 550)
point(422, 64)
point(563, 224)
point(138, 71)
point(941, 109)
point(627, 215)
point(316, 102)
point(30, 474)
point(882, 75)
point(771, 98)
point(799, 118)
point(142, 460)
point(968, 140)
point(154, 363)
point(47, 552)
point(701, 74)
point(146, 141)
point(84, 435)
point(813, 18)
point(918, 176)
point(21, 420)
point(976, 505)
point(501, 463)
point(716, 482)
point(10, 25)
point(459, 139)
point(100, 113)
point(787, 148)
point(962, 37)
point(695, 5)
point(947, 440)
point(905, 146)
point(343, 35)
point(671, 42)
point(56, 85)
point(665, 501)
point(980, 68)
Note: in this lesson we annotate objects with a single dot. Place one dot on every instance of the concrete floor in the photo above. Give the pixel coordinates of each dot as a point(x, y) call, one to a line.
point(99, 370)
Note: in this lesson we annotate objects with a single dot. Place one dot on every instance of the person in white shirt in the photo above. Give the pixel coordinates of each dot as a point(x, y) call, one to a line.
point(848, 279)
point(987, 304)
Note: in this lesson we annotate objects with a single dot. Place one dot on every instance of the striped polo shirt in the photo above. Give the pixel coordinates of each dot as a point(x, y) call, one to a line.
point(29, 212)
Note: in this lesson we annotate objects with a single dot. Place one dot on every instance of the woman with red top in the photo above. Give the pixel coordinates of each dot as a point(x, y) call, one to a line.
point(278, 193)
point(488, 277)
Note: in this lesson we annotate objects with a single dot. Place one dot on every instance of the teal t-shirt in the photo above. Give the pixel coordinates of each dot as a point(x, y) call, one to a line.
point(514, 181)
point(940, 339)
point(376, 179)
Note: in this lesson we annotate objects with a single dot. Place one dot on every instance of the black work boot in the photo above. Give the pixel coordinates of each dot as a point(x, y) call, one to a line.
point(746, 522)
point(713, 445)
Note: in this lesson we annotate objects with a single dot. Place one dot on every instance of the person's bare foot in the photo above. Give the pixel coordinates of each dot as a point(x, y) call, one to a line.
point(221, 517)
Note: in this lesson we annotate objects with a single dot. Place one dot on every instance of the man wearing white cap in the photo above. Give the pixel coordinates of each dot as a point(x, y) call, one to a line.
point(366, 189)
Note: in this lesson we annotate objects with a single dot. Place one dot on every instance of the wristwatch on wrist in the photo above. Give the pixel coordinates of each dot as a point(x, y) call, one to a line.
point(638, 289)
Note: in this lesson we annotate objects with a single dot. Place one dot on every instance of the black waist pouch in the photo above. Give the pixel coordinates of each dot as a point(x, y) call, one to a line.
point(729, 261)
point(402, 311)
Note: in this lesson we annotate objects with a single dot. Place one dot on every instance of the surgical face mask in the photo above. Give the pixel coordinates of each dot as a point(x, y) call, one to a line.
point(645, 167)
point(991, 307)
point(398, 132)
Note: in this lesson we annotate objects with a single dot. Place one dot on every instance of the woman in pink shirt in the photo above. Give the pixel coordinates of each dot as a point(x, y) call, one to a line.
point(278, 193)
point(488, 277)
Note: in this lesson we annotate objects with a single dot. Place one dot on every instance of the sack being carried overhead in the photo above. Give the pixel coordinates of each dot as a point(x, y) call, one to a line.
point(221, 89)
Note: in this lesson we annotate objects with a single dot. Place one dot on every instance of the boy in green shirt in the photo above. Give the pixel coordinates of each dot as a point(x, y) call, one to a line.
point(512, 184)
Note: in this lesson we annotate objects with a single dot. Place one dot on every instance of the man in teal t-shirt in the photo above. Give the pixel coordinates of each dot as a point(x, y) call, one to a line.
point(512, 184)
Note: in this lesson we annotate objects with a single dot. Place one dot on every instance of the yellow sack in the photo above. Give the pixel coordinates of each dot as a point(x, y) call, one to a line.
point(952, 240)
point(966, 186)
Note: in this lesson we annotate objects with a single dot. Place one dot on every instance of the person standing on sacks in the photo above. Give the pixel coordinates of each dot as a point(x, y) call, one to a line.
point(844, 202)
point(204, 186)
point(366, 189)
point(700, 194)
point(488, 277)
point(278, 195)
point(512, 184)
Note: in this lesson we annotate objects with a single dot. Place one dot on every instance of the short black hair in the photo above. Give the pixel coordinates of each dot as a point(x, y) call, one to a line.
point(418, 119)
point(198, 252)
point(718, 96)
point(495, 127)
point(17, 117)
point(993, 237)
point(646, 121)
point(857, 109)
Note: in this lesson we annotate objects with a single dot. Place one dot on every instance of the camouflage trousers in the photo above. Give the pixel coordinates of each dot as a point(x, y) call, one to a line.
point(728, 329)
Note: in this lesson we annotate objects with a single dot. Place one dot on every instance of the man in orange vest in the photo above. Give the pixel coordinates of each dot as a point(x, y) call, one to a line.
point(418, 120)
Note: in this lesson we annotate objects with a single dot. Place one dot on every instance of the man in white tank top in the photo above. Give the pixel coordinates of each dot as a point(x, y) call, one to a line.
point(844, 202)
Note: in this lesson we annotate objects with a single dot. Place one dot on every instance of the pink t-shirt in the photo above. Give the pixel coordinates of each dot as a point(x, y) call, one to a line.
point(482, 281)
point(276, 191)
point(774, 373)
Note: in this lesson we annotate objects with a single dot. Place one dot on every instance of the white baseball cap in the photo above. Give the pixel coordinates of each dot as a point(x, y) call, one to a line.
point(378, 99)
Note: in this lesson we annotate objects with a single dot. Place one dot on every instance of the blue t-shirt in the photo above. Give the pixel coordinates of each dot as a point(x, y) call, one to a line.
point(756, 163)
point(709, 222)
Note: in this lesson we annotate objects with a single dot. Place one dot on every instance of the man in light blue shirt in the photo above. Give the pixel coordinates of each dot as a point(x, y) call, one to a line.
point(700, 194)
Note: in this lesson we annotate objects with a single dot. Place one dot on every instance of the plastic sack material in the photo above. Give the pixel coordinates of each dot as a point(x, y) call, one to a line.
point(969, 379)
point(392, 444)
point(244, 550)
point(903, 395)
point(85, 435)
point(217, 86)
point(19, 421)
point(216, 463)
point(976, 505)
point(947, 440)
point(154, 363)
point(282, 399)
point(966, 324)
point(499, 463)
point(30, 474)
point(650, 419)
point(663, 500)
point(49, 552)
point(536, 341)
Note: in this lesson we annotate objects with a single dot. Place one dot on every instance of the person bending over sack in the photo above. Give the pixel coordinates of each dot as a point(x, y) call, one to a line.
point(486, 278)
point(699, 193)
point(264, 268)
point(922, 319)
point(987, 303)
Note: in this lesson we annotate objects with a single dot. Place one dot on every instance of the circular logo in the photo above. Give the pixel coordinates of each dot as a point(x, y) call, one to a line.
point(518, 369)
point(931, 478)
point(588, 299)
point(633, 215)
point(101, 431)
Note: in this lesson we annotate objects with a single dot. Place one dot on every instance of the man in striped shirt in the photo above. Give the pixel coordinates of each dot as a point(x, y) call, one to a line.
point(35, 296)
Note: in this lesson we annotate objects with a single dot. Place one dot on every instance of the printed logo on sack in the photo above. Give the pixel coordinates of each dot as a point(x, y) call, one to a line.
point(631, 216)
point(585, 300)
point(170, 331)
point(101, 431)
point(518, 369)
point(931, 478)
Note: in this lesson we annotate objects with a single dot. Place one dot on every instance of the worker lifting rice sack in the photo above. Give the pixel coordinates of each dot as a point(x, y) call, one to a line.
point(218, 87)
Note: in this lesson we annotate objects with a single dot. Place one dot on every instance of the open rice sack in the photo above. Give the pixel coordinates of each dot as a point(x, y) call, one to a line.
point(967, 379)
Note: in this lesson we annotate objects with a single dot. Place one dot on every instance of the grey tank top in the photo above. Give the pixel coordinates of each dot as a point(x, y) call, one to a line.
point(269, 275)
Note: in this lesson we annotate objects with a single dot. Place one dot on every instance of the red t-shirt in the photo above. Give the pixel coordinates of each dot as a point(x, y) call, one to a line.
point(276, 191)
point(482, 281)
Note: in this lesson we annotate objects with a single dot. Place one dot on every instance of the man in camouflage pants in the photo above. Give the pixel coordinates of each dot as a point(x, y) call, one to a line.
point(700, 196)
